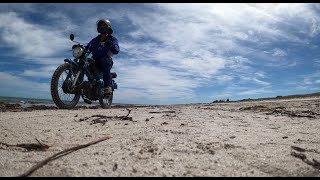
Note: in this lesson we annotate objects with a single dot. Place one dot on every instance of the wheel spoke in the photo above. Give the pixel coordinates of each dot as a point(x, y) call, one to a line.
point(64, 97)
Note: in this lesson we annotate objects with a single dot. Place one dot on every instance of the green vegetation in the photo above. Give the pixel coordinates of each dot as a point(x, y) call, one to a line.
point(221, 100)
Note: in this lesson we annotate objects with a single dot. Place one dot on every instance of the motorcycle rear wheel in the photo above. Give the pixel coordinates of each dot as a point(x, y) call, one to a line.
point(106, 102)
point(56, 89)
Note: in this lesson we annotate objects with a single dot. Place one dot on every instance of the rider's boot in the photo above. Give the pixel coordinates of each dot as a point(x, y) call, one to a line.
point(107, 90)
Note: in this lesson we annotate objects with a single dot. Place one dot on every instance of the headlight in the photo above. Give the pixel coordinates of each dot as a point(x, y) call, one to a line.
point(77, 51)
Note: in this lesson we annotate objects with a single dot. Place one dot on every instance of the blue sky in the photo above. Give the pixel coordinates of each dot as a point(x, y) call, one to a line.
point(170, 53)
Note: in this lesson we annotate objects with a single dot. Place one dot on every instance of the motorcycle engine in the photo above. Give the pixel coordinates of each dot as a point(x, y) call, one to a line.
point(91, 90)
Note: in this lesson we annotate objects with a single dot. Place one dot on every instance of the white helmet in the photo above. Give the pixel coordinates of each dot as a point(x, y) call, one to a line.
point(107, 29)
point(105, 21)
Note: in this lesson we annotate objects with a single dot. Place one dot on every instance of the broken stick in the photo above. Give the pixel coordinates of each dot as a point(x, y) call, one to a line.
point(29, 147)
point(60, 154)
point(129, 111)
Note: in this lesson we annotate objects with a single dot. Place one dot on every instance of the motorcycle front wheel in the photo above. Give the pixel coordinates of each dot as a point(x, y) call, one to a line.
point(60, 98)
point(106, 102)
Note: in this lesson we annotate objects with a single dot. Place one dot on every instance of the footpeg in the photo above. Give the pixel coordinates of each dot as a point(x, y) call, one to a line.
point(87, 101)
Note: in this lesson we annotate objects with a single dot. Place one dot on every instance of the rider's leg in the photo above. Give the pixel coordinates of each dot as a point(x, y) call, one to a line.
point(105, 65)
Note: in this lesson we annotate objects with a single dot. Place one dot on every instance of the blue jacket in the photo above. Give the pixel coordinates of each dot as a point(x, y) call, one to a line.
point(101, 49)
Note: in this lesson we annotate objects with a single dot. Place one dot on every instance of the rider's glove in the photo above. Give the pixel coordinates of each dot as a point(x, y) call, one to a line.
point(109, 44)
point(90, 60)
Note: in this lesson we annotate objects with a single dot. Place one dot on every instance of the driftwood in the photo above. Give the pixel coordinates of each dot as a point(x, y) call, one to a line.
point(162, 112)
point(127, 116)
point(305, 150)
point(30, 146)
point(314, 163)
point(60, 154)
point(103, 119)
point(281, 111)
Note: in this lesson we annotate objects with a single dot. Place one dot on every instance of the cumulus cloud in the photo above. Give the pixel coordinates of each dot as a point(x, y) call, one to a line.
point(311, 79)
point(254, 92)
point(166, 53)
point(254, 80)
point(279, 52)
point(155, 82)
point(30, 40)
point(42, 72)
point(317, 62)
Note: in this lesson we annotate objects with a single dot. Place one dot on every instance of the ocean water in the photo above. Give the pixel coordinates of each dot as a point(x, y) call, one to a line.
point(26, 102)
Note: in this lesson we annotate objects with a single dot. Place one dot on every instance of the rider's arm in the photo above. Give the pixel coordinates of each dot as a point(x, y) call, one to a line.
point(115, 46)
point(88, 47)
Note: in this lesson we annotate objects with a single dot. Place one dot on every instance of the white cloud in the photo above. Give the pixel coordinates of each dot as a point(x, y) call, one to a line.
point(155, 83)
point(236, 92)
point(261, 82)
point(292, 64)
point(251, 79)
point(317, 62)
point(213, 30)
point(279, 52)
point(237, 20)
point(254, 92)
point(31, 40)
point(260, 74)
point(239, 64)
point(43, 72)
point(173, 49)
point(224, 78)
point(311, 78)
point(301, 88)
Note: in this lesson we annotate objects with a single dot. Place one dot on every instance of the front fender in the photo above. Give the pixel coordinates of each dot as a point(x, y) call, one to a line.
point(71, 62)
point(74, 67)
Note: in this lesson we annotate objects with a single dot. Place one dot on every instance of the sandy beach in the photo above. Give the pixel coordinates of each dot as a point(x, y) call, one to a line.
point(258, 138)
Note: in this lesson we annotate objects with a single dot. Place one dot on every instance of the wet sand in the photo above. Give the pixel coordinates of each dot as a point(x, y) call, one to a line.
point(258, 138)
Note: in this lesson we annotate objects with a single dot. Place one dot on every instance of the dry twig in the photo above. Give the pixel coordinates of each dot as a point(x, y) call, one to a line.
point(103, 119)
point(60, 154)
point(314, 163)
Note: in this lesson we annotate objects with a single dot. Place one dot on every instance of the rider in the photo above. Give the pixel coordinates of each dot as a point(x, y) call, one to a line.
point(103, 47)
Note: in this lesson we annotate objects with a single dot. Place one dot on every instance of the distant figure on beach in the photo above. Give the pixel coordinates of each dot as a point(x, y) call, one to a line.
point(103, 47)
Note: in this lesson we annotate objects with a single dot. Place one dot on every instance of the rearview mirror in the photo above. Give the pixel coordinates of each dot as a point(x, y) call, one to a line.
point(71, 37)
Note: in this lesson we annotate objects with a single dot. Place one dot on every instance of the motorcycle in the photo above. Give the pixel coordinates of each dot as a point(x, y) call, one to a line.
point(68, 84)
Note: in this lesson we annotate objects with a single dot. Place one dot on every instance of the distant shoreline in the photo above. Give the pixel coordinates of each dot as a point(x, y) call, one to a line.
point(28, 102)
point(296, 96)
point(18, 99)
point(49, 102)
point(16, 104)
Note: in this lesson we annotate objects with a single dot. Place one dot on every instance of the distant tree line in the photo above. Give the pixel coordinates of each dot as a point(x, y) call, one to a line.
point(221, 100)
point(317, 94)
